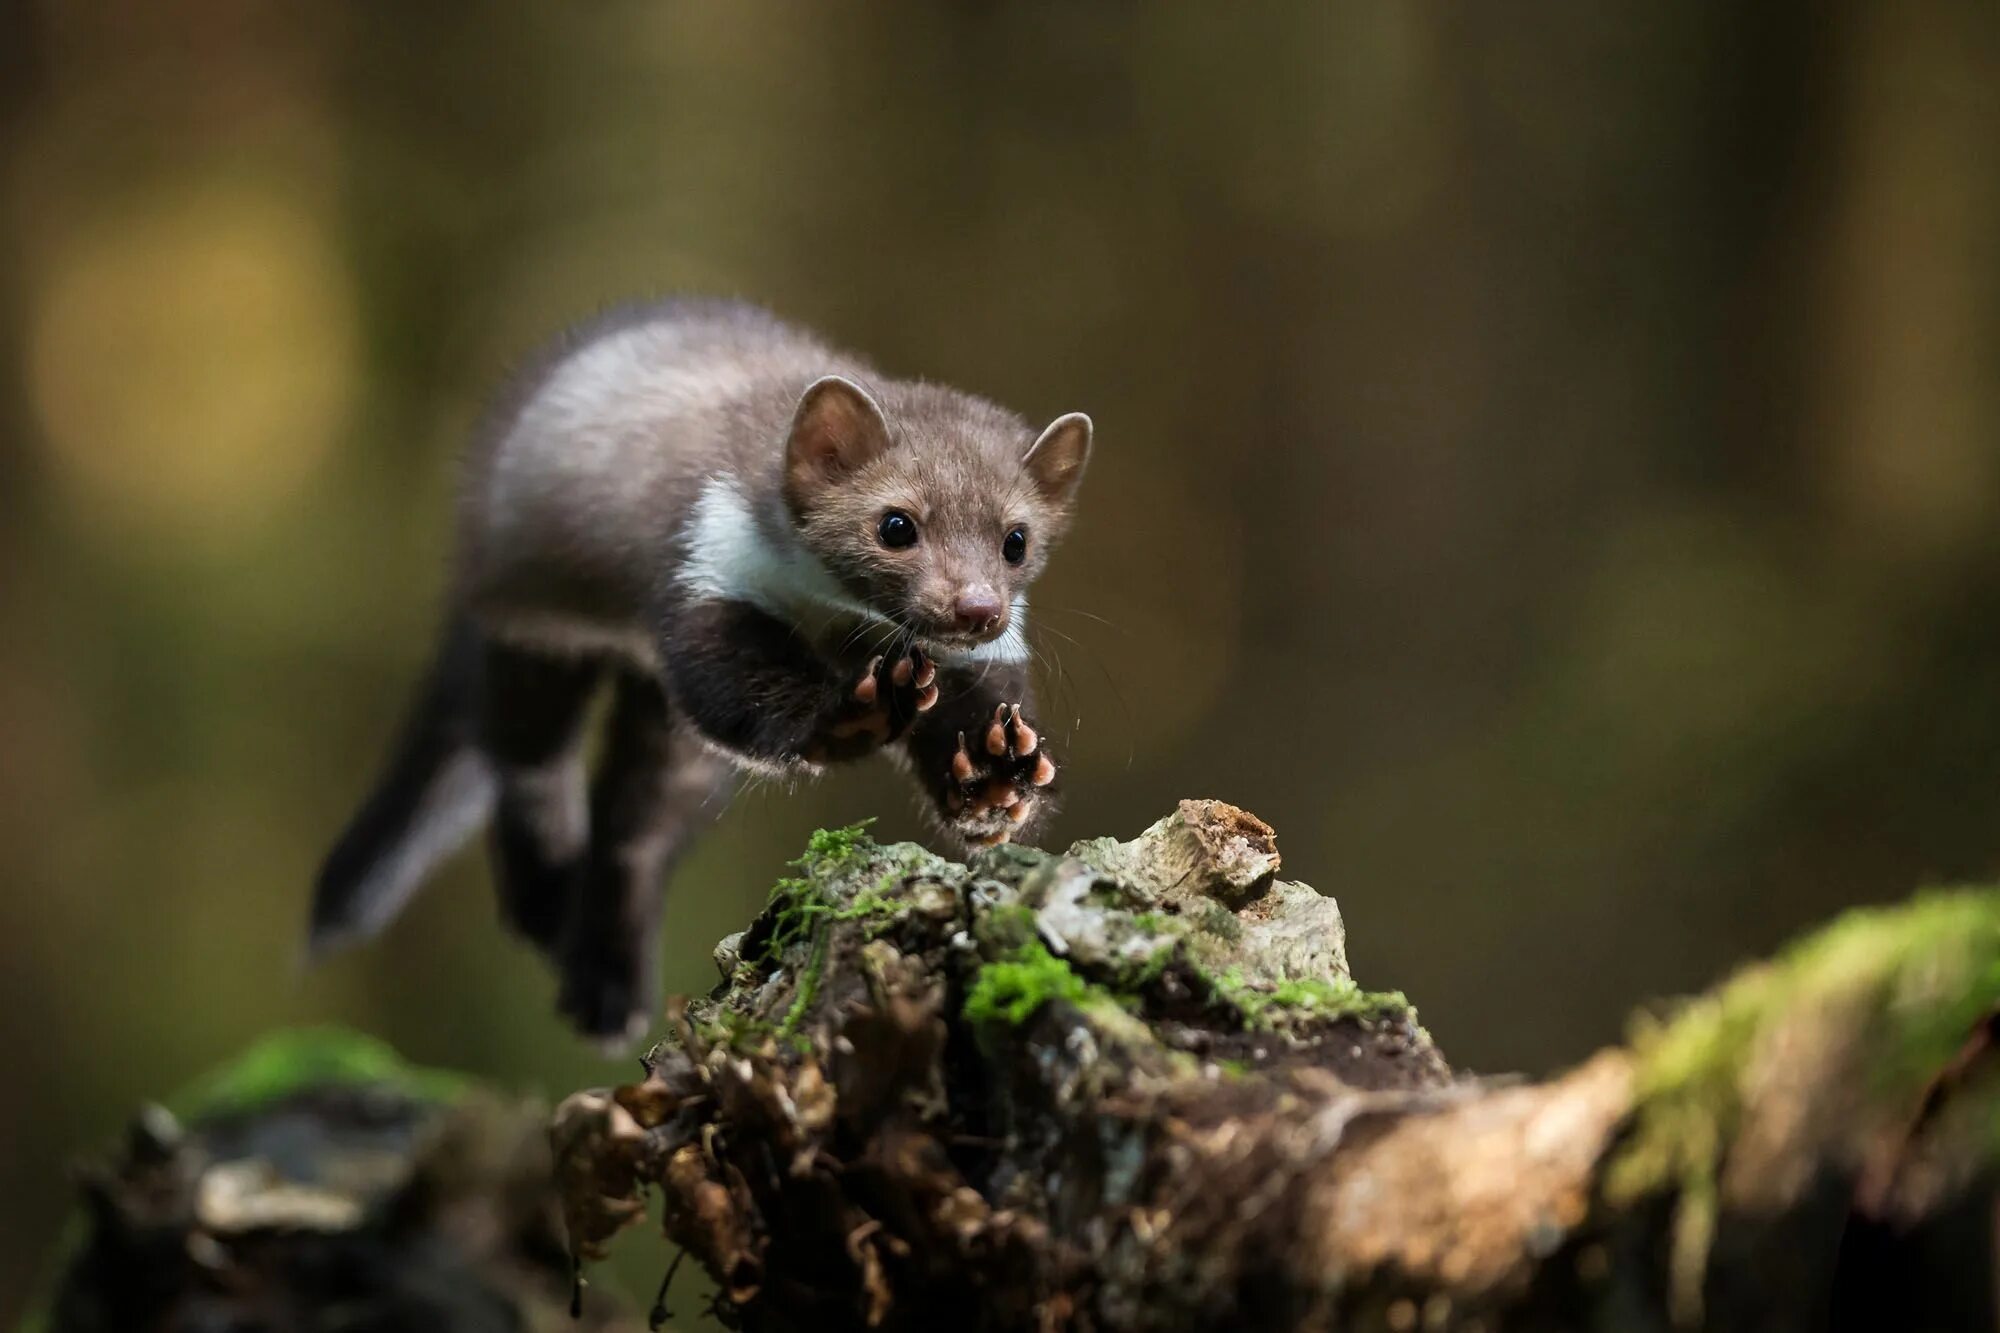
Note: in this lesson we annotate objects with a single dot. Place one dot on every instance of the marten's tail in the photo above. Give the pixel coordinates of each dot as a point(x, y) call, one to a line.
point(437, 791)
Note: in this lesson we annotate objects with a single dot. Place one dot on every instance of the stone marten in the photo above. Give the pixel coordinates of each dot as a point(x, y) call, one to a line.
point(777, 558)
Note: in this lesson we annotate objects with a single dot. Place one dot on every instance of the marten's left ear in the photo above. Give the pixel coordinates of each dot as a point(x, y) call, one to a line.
point(1055, 460)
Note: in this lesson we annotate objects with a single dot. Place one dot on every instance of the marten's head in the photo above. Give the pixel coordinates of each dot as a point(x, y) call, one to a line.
point(935, 508)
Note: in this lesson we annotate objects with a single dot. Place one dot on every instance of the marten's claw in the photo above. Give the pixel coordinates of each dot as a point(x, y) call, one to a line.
point(991, 790)
point(865, 690)
point(1023, 741)
point(913, 677)
point(880, 706)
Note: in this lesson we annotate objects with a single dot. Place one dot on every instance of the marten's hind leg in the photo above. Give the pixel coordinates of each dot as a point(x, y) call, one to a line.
point(653, 791)
point(532, 712)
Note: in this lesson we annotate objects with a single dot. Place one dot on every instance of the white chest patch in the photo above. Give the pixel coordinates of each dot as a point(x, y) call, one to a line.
point(729, 558)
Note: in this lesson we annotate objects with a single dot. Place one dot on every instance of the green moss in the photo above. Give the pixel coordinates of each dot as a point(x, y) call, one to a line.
point(1913, 980)
point(875, 903)
point(1304, 998)
point(1013, 988)
point(807, 988)
point(1156, 963)
point(1905, 984)
point(1106, 893)
point(829, 849)
point(798, 904)
point(1340, 996)
point(795, 906)
point(1133, 979)
point(803, 909)
point(1935, 967)
point(1007, 927)
point(287, 1062)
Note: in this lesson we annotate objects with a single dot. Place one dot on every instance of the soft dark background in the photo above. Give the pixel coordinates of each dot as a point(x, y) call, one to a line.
point(1548, 463)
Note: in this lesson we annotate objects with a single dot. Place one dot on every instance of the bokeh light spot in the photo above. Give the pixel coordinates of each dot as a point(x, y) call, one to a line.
point(192, 358)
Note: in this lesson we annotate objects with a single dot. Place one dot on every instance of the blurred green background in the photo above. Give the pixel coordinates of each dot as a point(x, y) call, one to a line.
point(1548, 463)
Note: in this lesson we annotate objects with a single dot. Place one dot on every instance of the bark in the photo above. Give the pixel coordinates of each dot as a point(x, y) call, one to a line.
point(1132, 1087)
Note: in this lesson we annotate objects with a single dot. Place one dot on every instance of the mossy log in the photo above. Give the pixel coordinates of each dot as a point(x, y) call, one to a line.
point(321, 1185)
point(1134, 1087)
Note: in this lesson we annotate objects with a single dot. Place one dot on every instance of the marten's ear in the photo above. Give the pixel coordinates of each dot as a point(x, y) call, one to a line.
point(836, 429)
point(1055, 460)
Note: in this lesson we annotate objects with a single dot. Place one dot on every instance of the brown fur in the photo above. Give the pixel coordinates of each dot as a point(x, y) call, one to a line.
point(957, 466)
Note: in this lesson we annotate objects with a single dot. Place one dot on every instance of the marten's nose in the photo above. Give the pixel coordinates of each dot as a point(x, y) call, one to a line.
point(978, 609)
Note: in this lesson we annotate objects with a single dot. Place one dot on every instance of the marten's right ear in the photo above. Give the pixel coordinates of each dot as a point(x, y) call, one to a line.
point(837, 429)
point(1055, 460)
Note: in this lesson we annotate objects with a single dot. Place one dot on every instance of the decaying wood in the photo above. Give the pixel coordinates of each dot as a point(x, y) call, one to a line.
point(1132, 1087)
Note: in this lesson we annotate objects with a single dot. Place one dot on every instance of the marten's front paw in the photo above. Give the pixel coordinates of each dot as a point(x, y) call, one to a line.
point(996, 778)
point(881, 705)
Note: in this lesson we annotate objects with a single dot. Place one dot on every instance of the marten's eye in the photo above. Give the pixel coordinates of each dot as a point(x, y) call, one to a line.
point(898, 530)
point(1015, 548)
